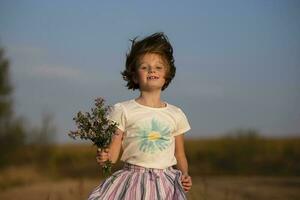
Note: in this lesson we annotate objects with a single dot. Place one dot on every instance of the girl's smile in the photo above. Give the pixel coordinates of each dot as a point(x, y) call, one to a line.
point(152, 77)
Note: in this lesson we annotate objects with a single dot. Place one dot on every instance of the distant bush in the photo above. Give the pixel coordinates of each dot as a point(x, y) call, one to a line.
point(12, 131)
point(238, 153)
point(244, 152)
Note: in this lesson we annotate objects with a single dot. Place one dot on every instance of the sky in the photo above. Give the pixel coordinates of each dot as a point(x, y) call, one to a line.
point(238, 63)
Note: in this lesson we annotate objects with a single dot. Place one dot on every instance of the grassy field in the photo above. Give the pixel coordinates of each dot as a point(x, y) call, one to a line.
point(205, 188)
point(229, 168)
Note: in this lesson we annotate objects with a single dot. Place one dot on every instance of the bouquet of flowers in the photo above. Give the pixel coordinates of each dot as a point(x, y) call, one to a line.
point(95, 126)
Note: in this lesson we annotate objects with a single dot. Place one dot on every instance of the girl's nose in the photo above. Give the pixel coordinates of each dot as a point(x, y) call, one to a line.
point(151, 69)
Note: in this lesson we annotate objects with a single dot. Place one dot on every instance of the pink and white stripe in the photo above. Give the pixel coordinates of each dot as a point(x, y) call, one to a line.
point(135, 182)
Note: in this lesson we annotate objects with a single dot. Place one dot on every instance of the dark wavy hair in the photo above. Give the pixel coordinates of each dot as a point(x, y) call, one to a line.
point(157, 43)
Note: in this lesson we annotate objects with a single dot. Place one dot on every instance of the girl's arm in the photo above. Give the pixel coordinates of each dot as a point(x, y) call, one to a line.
point(115, 146)
point(113, 151)
point(182, 163)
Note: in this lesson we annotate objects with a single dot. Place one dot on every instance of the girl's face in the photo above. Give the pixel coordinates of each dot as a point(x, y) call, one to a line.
point(151, 72)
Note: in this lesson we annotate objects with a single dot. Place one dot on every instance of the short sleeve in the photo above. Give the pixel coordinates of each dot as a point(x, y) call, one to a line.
point(117, 114)
point(182, 123)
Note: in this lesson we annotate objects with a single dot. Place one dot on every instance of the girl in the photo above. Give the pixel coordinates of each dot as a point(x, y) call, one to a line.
point(150, 131)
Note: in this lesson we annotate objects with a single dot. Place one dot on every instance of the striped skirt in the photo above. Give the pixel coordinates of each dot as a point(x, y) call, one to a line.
point(139, 183)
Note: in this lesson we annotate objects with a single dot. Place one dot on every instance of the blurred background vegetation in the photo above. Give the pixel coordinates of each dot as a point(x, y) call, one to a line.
point(29, 154)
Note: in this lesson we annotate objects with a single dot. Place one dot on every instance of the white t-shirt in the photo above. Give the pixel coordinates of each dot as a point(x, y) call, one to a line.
point(149, 132)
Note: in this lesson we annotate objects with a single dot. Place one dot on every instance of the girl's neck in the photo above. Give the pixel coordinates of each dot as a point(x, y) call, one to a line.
point(150, 99)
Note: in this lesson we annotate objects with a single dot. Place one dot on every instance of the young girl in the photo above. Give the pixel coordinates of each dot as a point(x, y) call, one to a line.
point(150, 131)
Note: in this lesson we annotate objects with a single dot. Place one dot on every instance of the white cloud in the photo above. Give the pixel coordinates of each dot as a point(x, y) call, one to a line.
point(32, 62)
point(62, 72)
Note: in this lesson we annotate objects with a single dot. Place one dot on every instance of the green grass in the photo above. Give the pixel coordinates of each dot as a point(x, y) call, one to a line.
point(220, 156)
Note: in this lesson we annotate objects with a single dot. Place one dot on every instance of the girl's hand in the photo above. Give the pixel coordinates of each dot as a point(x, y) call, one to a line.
point(186, 182)
point(102, 156)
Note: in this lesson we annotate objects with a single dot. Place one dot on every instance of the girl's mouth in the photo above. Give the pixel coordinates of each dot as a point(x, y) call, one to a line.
point(152, 77)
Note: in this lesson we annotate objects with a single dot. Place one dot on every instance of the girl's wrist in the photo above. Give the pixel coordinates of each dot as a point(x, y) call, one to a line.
point(185, 174)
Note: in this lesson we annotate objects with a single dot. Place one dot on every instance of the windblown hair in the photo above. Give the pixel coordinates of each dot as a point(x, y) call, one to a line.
point(157, 43)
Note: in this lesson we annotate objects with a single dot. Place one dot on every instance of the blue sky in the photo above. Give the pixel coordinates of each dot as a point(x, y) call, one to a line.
point(238, 63)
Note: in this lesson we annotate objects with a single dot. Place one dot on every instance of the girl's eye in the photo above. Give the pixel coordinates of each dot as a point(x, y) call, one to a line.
point(148, 67)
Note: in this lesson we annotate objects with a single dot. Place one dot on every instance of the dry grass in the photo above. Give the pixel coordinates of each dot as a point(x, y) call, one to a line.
point(18, 176)
point(65, 172)
point(204, 188)
point(51, 190)
point(239, 188)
